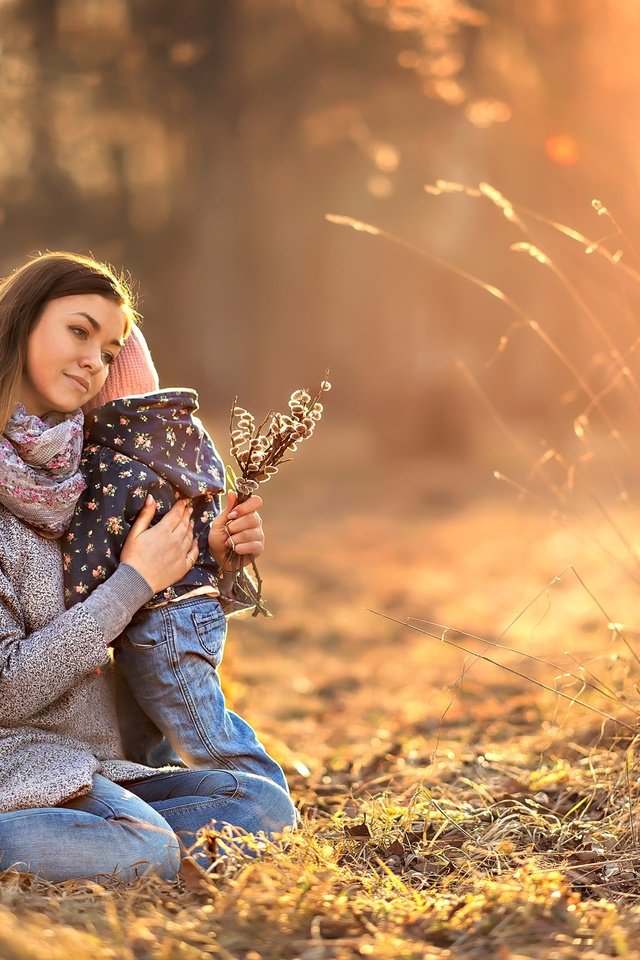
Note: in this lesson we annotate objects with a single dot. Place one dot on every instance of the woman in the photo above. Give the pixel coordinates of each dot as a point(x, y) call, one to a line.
point(70, 804)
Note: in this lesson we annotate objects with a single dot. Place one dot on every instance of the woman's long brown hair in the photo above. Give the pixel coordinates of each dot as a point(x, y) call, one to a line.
point(23, 295)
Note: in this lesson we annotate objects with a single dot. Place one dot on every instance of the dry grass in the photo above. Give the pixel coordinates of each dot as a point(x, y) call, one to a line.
point(468, 780)
point(491, 819)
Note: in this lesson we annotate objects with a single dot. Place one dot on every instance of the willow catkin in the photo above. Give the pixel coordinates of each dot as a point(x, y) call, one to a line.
point(258, 451)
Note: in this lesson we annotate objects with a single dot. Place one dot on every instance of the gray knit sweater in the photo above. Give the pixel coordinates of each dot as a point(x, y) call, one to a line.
point(58, 724)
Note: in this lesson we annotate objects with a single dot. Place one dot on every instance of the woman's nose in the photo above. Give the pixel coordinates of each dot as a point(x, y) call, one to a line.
point(93, 361)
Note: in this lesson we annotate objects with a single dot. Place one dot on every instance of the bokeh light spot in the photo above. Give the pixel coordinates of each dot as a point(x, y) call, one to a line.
point(185, 53)
point(484, 113)
point(563, 149)
point(385, 156)
point(409, 59)
point(380, 186)
point(448, 90)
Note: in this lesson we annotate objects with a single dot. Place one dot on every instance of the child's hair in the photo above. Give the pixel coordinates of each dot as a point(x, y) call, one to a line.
point(132, 372)
point(24, 293)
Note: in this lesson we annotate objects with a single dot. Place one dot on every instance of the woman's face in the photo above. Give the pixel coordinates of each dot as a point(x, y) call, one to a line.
point(69, 351)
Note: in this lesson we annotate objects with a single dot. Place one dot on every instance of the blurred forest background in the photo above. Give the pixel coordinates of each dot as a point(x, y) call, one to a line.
point(199, 145)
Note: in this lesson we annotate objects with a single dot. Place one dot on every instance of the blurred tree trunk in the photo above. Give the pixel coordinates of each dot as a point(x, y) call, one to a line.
point(51, 196)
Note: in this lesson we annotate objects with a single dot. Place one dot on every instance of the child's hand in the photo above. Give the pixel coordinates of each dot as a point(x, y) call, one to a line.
point(239, 527)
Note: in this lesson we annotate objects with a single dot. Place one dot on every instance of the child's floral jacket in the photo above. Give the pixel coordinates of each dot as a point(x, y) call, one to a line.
point(150, 443)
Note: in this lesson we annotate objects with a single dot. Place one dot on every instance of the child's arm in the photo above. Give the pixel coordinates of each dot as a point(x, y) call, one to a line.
point(237, 526)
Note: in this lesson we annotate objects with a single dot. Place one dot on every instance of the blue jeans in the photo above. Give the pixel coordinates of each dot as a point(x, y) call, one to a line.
point(124, 832)
point(168, 686)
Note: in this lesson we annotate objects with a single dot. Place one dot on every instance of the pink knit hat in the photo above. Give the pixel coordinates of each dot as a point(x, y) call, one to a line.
point(132, 372)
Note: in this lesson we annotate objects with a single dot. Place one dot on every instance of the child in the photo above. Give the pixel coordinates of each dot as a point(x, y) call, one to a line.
point(150, 442)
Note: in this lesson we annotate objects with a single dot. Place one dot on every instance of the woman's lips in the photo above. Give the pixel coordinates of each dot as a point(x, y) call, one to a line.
point(80, 382)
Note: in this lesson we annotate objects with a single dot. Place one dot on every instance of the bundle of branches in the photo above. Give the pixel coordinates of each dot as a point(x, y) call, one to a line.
point(258, 452)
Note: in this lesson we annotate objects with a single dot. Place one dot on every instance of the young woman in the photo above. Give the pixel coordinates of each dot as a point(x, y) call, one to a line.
point(71, 805)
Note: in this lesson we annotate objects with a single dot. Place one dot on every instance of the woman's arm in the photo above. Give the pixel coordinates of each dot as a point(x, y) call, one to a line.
point(102, 520)
point(37, 668)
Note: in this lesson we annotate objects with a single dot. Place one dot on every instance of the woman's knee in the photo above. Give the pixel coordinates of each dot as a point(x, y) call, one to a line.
point(282, 813)
point(246, 800)
point(60, 844)
point(271, 807)
point(160, 859)
point(132, 830)
point(154, 848)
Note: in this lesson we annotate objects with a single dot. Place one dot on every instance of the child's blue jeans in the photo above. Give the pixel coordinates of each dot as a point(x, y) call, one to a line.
point(169, 657)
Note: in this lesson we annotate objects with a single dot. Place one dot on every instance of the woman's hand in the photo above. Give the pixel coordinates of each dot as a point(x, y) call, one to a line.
point(238, 526)
point(163, 553)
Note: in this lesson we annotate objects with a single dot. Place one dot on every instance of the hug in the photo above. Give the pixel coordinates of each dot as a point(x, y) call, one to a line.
point(116, 746)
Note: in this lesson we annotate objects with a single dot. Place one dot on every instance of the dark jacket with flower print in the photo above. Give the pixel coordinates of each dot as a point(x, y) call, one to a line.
point(150, 443)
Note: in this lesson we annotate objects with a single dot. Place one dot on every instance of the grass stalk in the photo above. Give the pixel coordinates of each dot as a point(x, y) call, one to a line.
point(508, 669)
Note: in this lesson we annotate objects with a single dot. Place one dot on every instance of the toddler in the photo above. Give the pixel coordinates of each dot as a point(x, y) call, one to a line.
point(149, 441)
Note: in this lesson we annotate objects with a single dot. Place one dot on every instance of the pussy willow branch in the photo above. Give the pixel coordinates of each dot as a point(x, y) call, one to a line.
point(258, 451)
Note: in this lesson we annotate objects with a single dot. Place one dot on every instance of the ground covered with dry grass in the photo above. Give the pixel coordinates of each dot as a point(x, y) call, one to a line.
point(452, 807)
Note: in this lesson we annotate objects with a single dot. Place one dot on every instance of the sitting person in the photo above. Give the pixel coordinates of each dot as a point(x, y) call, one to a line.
point(149, 442)
point(71, 804)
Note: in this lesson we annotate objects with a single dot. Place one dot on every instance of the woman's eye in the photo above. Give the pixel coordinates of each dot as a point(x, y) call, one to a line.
point(80, 332)
point(107, 358)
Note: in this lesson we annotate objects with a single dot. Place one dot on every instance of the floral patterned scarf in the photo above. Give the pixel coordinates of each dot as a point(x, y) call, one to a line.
point(39, 477)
